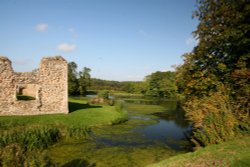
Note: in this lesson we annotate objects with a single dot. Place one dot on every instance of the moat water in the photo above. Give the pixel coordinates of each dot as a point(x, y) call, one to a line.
point(155, 130)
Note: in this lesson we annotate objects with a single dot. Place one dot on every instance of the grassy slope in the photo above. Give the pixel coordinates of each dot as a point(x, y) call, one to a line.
point(81, 113)
point(231, 153)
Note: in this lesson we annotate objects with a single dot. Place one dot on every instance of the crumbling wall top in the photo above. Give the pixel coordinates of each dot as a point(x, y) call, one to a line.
point(5, 66)
point(4, 59)
point(55, 58)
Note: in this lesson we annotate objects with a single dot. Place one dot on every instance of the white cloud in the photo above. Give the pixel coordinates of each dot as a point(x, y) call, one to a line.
point(191, 41)
point(66, 47)
point(42, 27)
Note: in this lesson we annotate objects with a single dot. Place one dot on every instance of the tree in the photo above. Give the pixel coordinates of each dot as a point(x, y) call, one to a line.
point(72, 78)
point(218, 68)
point(84, 80)
point(161, 84)
point(224, 47)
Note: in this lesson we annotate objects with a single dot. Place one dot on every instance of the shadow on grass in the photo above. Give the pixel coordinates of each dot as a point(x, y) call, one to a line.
point(78, 163)
point(73, 106)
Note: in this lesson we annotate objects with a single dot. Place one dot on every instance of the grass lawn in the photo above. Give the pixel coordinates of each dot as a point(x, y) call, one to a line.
point(81, 113)
point(231, 153)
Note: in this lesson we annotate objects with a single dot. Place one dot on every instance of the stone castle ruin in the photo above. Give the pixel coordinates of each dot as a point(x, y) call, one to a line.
point(46, 88)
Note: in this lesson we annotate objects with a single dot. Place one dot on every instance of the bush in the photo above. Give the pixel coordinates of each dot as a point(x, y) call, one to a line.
point(104, 94)
point(120, 108)
point(212, 118)
point(103, 98)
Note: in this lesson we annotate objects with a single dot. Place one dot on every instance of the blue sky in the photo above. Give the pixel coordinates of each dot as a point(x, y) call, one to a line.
point(118, 39)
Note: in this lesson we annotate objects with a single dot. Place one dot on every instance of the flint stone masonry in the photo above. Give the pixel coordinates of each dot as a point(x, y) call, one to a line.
point(48, 84)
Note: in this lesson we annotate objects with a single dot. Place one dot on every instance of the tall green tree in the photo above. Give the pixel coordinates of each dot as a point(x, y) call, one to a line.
point(84, 80)
point(215, 75)
point(73, 79)
point(161, 84)
point(224, 47)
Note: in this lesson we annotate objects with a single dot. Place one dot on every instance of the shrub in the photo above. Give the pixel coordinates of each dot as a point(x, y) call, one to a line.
point(119, 106)
point(212, 117)
point(104, 94)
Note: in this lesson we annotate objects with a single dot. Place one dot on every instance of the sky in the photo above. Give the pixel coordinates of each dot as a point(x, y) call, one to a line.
point(122, 40)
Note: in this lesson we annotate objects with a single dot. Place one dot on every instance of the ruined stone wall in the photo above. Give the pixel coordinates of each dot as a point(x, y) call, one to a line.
point(54, 85)
point(48, 85)
point(7, 86)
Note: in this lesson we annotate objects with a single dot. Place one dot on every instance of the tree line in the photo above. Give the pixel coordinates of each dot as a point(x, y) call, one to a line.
point(157, 84)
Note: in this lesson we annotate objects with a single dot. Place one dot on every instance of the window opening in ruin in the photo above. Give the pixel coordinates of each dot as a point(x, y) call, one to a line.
point(26, 92)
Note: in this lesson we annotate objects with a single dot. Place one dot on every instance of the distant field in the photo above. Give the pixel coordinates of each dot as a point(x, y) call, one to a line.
point(235, 153)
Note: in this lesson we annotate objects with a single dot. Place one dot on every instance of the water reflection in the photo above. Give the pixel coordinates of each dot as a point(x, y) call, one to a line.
point(166, 131)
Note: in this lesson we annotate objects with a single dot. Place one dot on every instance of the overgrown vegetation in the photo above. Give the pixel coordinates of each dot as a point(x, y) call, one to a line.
point(215, 75)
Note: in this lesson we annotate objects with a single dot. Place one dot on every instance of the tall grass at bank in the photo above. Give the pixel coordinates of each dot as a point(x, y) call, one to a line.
point(24, 146)
point(119, 106)
point(30, 138)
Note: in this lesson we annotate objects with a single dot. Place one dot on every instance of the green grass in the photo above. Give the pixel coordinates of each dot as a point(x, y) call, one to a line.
point(231, 153)
point(81, 113)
